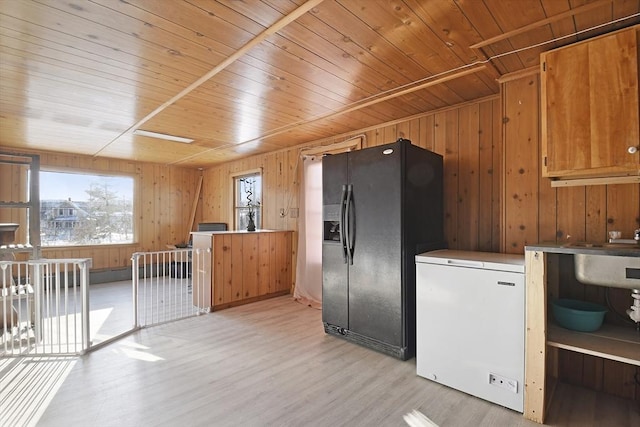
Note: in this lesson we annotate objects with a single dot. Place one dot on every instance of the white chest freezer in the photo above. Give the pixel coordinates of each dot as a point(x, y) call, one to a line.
point(470, 323)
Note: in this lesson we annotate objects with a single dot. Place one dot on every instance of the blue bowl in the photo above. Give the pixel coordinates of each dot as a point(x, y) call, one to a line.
point(578, 315)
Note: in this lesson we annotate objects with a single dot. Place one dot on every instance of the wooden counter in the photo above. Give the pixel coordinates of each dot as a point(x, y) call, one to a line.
point(543, 338)
point(238, 267)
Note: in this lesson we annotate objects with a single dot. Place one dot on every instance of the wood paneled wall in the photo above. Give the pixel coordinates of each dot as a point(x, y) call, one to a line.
point(280, 177)
point(495, 199)
point(163, 204)
point(467, 136)
point(535, 212)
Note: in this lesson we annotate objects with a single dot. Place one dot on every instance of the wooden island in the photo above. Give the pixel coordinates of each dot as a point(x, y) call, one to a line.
point(238, 267)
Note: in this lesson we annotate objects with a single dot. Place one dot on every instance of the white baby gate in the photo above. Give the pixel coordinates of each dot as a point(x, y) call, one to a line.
point(163, 287)
point(44, 307)
point(45, 310)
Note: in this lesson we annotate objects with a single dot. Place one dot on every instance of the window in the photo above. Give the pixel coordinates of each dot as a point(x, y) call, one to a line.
point(85, 209)
point(248, 199)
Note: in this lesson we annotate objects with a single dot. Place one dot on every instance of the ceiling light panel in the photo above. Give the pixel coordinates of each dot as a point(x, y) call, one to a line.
point(162, 136)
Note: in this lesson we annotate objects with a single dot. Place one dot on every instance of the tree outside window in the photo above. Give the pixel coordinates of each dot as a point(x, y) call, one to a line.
point(82, 209)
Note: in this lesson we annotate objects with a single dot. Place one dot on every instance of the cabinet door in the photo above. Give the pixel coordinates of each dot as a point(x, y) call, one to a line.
point(335, 270)
point(590, 112)
point(376, 281)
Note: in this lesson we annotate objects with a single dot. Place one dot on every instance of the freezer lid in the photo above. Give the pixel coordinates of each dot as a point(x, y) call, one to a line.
point(471, 259)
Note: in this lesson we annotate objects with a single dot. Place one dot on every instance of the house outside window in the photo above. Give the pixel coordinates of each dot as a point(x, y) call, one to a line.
point(85, 209)
point(247, 199)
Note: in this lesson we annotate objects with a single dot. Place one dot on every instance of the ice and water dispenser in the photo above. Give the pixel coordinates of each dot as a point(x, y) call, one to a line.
point(331, 223)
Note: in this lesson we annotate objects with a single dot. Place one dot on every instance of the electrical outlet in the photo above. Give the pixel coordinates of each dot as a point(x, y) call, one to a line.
point(503, 382)
point(294, 212)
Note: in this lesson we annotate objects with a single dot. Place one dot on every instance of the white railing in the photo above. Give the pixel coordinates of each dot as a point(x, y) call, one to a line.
point(44, 304)
point(44, 307)
point(163, 288)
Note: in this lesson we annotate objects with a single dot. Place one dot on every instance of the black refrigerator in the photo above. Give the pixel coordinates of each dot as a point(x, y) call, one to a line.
point(381, 206)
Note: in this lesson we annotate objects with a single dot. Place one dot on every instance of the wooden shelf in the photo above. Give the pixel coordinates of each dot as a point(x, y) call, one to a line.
point(632, 179)
point(609, 342)
point(16, 248)
point(32, 206)
point(15, 204)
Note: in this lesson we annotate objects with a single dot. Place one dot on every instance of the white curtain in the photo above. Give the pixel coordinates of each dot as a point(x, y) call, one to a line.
point(308, 289)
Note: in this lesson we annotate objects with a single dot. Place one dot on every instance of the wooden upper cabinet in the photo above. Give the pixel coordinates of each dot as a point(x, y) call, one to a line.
point(590, 115)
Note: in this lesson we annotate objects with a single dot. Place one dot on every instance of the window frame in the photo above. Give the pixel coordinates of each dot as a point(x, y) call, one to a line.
point(135, 222)
point(236, 209)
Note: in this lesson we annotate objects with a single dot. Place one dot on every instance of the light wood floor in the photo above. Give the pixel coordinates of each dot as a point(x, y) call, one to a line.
point(270, 364)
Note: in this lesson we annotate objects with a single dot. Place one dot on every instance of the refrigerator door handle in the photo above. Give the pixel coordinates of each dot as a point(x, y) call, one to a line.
point(350, 224)
point(343, 235)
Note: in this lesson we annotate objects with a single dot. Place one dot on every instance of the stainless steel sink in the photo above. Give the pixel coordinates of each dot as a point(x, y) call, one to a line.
point(608, 270)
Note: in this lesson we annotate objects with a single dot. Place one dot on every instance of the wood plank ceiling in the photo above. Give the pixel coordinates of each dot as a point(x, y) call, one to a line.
point(246, 77)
